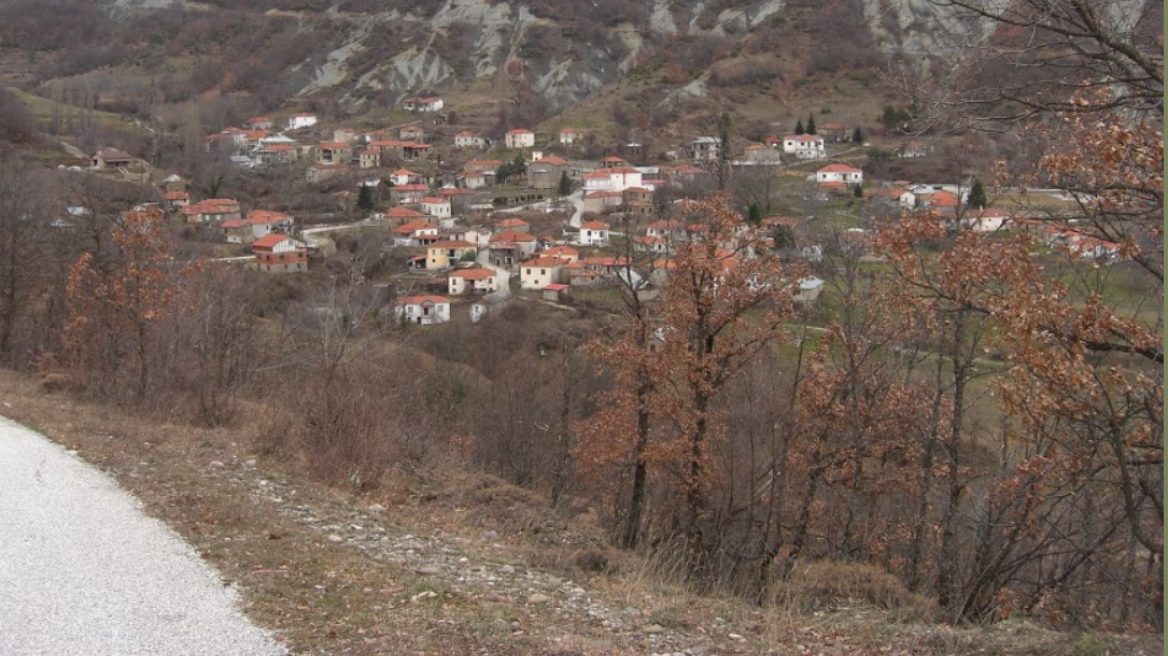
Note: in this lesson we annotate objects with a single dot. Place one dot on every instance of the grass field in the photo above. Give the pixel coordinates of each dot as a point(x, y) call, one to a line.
point(44, 110)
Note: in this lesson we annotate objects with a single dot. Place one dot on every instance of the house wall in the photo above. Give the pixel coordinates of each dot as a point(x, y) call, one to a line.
point(538, 277)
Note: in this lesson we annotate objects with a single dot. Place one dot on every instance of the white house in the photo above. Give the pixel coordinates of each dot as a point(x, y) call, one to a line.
point(804, 146)
point(462, 281)
point(705, 149)
point(402, 177)
point(540, 272)
point(424, 104)
point(622, 178)
point(438, 208)
point(299, 121)
point(593, 233)
point(568, 136)
point(839, 173)
point(413, 232)
point(467, 139)
point(520, 138)
point(424, 310)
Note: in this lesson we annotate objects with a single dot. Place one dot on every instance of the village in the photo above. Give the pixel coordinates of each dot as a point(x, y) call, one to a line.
point(471, 223)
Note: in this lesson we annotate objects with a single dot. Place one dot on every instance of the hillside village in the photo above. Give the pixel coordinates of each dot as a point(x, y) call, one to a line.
point(473, 223)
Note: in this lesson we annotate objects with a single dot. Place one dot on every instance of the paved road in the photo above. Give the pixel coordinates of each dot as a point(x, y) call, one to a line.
point(83, 571)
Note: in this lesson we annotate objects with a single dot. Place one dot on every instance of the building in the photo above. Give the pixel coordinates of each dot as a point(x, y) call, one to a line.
point(449, 252)
point(510, 247)
point(276, 253)
point(413, 232)
point(423, 310)
point(424, 104)
point(467, 139)
point(568, 136)
point(212, 211)
point(403, 177)
point(545, 173)
point(512, 224)
point(438, 208)
point(804, 146)
point(839, 173)
point(472, 281)
point(300, 121)
point(705, 149)
point(594, 233)
point(259, 123)
point(111, 157)
point(334, 152)
point(520, 138)
point(540, 272)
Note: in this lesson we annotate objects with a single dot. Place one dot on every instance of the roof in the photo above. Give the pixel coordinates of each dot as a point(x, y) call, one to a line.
point(594, 225)
point(452, 243)
point(486, 162)
point(233, 223)
point(335, 144)
point(403, 172)
point(511, 235)
point(419, 300)
point(513, 222)
point(555, 287)
point(400, 212)
point(804, 137)
point(561, 251)
point(520, 131)
point(269, 241)
point(109, 154)
point(839, 168)
point(430, 200)
point(417, 224)
point(553, 160)
point(473, 274)
point(544, 262)
point(600, 193)
point(266, 216)
point(176, 195)
point(466, 133)
point(613, 158)
point(567, 131)
point(273, 148)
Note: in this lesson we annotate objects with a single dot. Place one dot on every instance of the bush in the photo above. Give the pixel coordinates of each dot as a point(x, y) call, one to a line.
point(826, 585)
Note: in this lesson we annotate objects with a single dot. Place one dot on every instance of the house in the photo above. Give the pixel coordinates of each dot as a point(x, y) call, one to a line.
point(540, 272)
point(593, 233)
point(175, 200)
point(367, 158)
point(468, 139)
point(174, 182)
point(398, 216)
point(471, 179)
point(212, 210)
point(565, 253)
point(568, 136)
point(334, 152)
point(274, 154)
point(809, 290)
point(760, 154)
point(514, 224)
point(555, 292)
point(519, 138)
point(259, 123)
point(981, 220)
point(424, 104)
point(423, 310)
point(486, 305)
point(320, 172)
point(408, 194)
point(438, 208)
point(472, 281)
point(705, 149)
point(300, 121)
point(613, 162)
point(651, 244)
point(545, 173)
point(410, 233)
point(449, 252)
point(276, 253)
point(403, 177)
point(345, 135)
point(264, 222)
point(600, 201)
point(804, 146)
point(412, 132)
point(483, 165)
point(510, 247)
point(111, 157)
point(839, 173)
point(666, 230)
point(623, 177)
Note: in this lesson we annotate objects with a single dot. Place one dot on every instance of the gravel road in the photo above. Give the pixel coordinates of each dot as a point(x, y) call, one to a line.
point(84, 571)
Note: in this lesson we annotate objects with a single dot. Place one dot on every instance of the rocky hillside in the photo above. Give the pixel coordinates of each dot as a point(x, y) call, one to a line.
point(544, 54)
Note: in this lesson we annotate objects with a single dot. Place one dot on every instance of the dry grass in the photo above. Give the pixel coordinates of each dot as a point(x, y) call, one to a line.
point(248, 519)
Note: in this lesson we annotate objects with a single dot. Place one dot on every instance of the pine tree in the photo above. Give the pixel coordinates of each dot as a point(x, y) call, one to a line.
point(977, 196)
point(858, 191)
point(365, 198)
point(754, 214)
point(811, 124)
point(565, 187)
point(857, 135)
point(799, 127)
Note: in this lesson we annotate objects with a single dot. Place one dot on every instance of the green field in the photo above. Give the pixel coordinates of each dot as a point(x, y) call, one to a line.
point(45, 110)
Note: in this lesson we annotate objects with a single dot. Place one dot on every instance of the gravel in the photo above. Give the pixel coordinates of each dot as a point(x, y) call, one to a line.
point(84, 571)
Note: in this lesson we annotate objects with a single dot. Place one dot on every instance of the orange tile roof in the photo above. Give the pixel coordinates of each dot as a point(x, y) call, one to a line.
point(419, 300)
point(544, 262)
point(839, 168)
point(511, 235)
point(473, 274)
point(452, 243)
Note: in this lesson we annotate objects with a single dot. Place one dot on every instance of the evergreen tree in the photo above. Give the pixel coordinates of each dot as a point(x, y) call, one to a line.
point(811, 124)
point(754, 214)
point(565, 184)
point(518, 165)
point(365, 198)
point(857, 135)
point(858, 191)
point(799, 127)
point(977, 196)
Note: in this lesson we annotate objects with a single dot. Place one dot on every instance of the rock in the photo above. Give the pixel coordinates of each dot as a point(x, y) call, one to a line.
point(376, 509)
point(490, 536)
point(506, 569)
point(216, 464)
point(735, 636)
point(335, 538)
point(429, 570)
point(423, 596)
point(249, 463)
point(538, 599)
point(652, 629)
